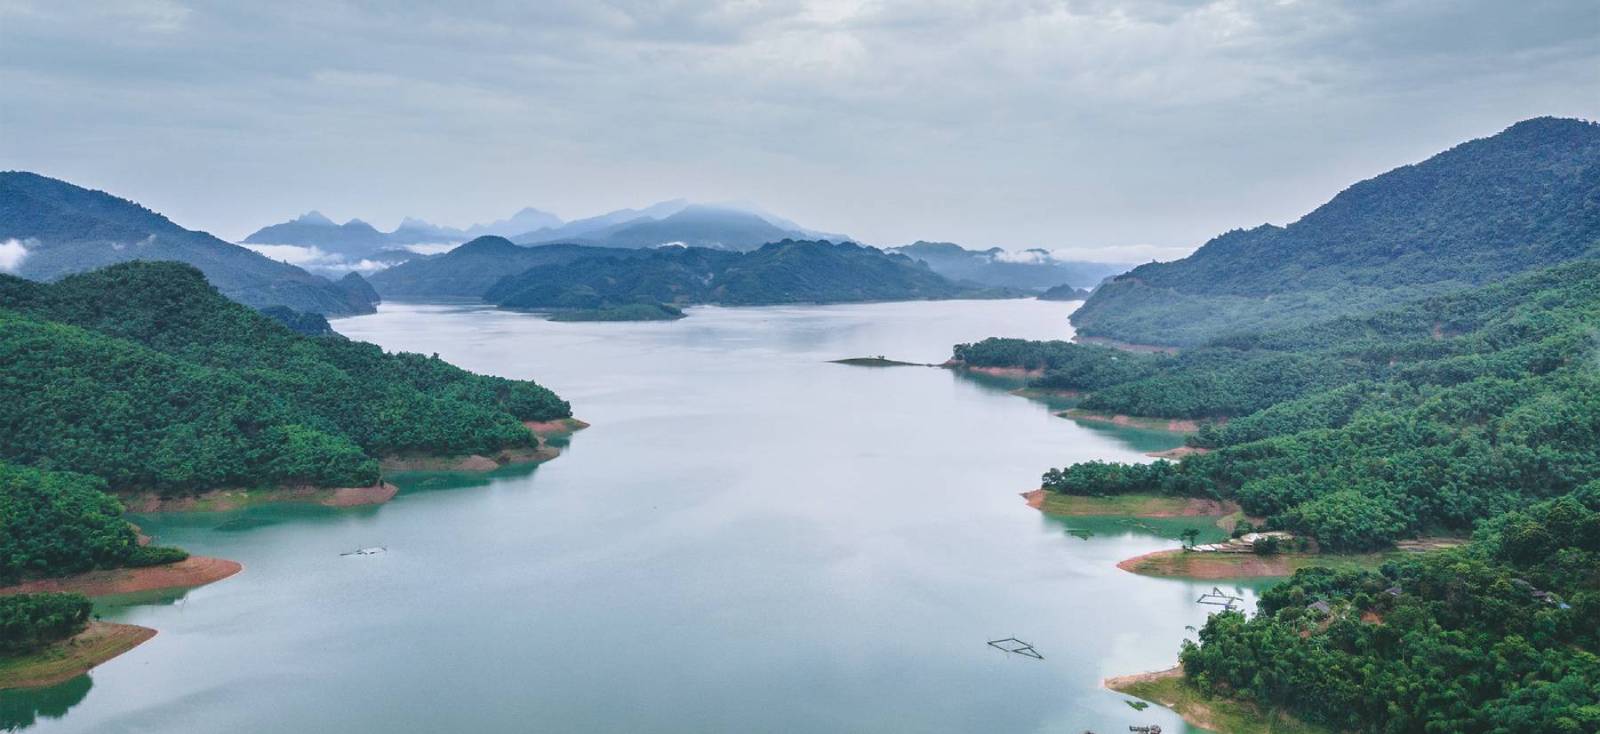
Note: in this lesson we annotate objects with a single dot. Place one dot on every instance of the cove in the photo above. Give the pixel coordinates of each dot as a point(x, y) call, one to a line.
point(748, 538)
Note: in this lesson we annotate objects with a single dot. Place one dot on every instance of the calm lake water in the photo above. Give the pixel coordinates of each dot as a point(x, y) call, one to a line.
point(749, 539)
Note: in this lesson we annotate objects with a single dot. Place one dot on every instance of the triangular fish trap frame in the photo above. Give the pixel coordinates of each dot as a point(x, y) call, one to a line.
point(1012, 644)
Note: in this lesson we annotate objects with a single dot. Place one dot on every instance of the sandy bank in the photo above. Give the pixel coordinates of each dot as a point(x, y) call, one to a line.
point(469, 462)
point(219, 500)
point(1149, 506)
point(1117, 683)
point(1019, 373)
point(1169, 688)
point(489, 462)
point(1179, 563)
point(190, 572)
point(72, 657)
point(1175, 425)
point(558, 427)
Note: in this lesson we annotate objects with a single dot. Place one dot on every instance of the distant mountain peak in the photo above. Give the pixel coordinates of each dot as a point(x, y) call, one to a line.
point(314, 217)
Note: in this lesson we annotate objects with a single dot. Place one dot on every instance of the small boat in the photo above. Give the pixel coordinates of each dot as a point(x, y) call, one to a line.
point(371, 550)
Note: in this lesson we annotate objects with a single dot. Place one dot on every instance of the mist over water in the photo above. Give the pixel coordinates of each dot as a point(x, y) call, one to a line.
point(748, 539)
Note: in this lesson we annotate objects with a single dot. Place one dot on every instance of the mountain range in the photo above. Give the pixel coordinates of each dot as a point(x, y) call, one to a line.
point(50, 228)
point(468, 271)
point(1031, 269)
point(1526, 198)
point(722, 226)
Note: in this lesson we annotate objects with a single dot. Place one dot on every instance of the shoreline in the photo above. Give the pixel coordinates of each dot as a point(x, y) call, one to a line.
point(1018, 373)
point(469, 462)
point(222, 500)
point(1133, 506)
point(1181, 563)
point(1170, 689)
point(557, 427)
point(72, 657)
point(185, 574)
point(1171, 425)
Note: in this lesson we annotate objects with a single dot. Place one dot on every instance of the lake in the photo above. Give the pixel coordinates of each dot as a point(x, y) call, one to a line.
point(748, 539)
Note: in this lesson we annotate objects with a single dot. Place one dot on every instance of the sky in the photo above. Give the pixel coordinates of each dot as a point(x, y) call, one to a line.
point(1119, 131)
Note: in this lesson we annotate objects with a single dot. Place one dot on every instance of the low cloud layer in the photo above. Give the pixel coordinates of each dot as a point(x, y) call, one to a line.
point(12, 253)
point(1015, 122)
point(315, 259)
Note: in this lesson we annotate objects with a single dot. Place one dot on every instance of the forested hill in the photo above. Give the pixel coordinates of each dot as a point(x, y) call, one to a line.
point(168, 386)
point(65, 229)
point(779, 272)
point(1500, 636)
point(470, 270)
point(1363, 430)
point(1526, 198)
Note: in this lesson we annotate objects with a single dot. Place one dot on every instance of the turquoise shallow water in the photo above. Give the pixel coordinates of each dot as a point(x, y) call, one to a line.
point(748, 539)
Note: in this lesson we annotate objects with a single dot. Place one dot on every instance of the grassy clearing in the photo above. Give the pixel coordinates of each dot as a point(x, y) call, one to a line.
point(1129, 505)
point(73, 657)
point(1170, 689)
point(1178, 563)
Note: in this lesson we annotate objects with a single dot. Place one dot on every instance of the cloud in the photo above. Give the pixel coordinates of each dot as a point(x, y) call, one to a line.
point(314, 258)
point(1023, 256)
point(1017, 122)
point(1137, 253)
point(432, 248)
point(12, 253)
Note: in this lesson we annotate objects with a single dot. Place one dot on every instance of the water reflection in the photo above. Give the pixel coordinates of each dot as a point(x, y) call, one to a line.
point(22, 709)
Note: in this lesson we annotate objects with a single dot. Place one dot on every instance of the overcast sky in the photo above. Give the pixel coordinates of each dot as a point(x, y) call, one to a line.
point(1122, 130)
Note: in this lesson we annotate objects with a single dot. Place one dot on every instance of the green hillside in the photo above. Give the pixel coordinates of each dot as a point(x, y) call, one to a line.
point(1526, 198)
point(67, 229)
point(173, 388)
point(468, 271)
point(780, 272)
point(1363, 430)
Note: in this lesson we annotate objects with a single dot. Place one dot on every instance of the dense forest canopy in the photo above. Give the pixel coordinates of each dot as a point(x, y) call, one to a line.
point(1502, 635)
point(1524, 199)
point(169, 387)
point(1363, 430)
point(1420, 355)
point(32, 621)
point(55, 523)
